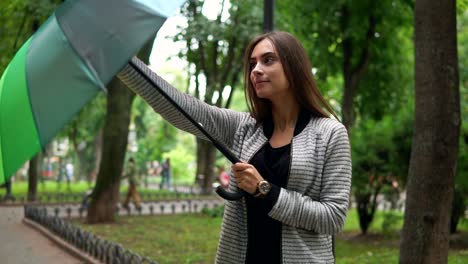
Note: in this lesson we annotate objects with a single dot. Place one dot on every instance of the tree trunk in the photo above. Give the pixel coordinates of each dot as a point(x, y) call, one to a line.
point(206, 158)
point(425, 236)
point(98, 150)
point(366, 206)
point(363, 203)
point(114, 145)
point(106, 192)
point(458, 209)
point(33, 175)
point(353, 72)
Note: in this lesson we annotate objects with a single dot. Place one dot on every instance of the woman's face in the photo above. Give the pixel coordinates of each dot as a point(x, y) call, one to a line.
point(267, 74)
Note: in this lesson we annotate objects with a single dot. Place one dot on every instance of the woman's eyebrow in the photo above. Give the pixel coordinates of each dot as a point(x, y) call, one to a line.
point(266, 54)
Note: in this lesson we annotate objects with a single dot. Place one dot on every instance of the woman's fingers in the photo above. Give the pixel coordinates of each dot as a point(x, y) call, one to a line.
point(246, 176)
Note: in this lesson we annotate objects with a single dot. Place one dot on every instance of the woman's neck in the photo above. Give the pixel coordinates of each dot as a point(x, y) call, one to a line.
point(285, 115)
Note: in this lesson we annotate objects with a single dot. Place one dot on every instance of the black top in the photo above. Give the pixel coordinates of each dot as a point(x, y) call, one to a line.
point(264, 233)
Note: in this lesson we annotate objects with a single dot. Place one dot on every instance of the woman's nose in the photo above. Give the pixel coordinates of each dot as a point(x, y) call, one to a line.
point(257, 69)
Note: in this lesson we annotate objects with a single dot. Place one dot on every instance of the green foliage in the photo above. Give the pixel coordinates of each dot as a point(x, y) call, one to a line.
point(214, 212)
point(18, 20)
point(83, 132)
point(323, 26)
point(214, 49)
point(381, 152)
point(382, 147)
point(238, 100)
point(391, 221)
point(461, 180)
point(372, 146)
point(462, 169)
point(389, 81)
point(462, 7)
point(352, 223)
point(155, 136)
point(183, 159)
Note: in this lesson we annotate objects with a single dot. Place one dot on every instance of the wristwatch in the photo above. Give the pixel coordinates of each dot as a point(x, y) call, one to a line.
point(263, 188)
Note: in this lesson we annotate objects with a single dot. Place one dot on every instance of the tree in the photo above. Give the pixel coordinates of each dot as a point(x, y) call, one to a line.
point(360, 42)
point(425, 234)
point(155, 135)
point(106, 191)
point(380, 160)
point(105, 195)
point(19, 19)
point(214, 52)
point(84, 134)
point(36, 162)
point(33, 175)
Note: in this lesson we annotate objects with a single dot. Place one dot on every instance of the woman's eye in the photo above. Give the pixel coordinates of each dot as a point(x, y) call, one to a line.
point(269, 60)
point(252, 65)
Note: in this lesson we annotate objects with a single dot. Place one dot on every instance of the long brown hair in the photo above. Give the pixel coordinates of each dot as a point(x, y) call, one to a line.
point(298, 71)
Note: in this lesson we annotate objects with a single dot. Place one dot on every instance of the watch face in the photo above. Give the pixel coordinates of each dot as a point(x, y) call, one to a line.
point(264, 187)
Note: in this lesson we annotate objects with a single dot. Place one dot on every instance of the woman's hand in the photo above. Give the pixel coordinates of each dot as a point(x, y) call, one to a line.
point(247, 176)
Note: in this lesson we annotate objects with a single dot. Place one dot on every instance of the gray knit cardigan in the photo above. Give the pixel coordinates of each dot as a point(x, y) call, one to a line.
point(311, 209)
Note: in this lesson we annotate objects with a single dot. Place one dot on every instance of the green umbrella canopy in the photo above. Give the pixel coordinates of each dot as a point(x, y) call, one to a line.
point(72, 56)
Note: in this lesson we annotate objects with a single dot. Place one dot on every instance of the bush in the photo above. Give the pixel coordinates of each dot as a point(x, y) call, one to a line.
point(390, 222)
point(218, 211)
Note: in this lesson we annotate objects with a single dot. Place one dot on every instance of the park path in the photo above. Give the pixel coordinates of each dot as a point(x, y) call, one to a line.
point(21, 244)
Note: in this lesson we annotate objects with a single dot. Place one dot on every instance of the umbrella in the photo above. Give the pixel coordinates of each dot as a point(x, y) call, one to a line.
point(72, 56)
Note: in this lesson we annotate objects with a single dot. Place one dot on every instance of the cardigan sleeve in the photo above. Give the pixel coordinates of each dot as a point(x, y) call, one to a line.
point(218, 122)
point(327, 215)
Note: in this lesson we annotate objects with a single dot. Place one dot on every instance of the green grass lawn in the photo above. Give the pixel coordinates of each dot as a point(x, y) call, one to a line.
point(166, 238)
point(194, 238)
point(21, 188)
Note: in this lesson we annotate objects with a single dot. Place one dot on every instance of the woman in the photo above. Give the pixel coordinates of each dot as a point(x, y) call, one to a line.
point(298, 165)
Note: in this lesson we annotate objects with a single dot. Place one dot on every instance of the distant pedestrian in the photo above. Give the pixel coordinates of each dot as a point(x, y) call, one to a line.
point(166, 174)
point(86, 199)
point(61, 173)
point(69, 170)
point(132, 192)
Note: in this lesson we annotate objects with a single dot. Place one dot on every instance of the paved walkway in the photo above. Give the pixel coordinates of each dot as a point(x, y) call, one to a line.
point(21, 244)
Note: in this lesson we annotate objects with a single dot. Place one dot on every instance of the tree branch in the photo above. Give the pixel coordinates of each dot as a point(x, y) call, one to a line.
point(20, 29)
point(363, 62)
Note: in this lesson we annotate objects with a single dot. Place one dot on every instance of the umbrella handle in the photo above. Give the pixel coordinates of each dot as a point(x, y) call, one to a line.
point(230, 196)
point(137, 65)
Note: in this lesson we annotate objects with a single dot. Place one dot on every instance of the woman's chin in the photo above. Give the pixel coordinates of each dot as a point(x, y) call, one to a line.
point(262, 93)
